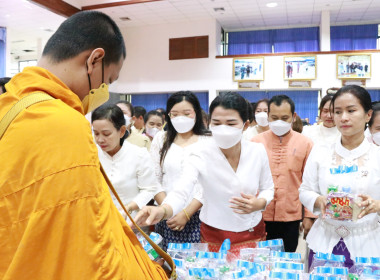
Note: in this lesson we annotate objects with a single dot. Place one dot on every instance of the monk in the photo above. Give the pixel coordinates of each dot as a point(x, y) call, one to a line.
point(57, 218)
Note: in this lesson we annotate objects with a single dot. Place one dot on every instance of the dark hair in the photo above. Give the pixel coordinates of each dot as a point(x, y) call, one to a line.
point(171, 133)
point(359, 92)
point(84, 31)
point(376, 111)
point(251, 114)
point(297, 125)
point(328, 97)
point(139, 111)
point(153, 113)
point(279, 99)
point(265, 100)
point(161, 110)
point(253, 105)
point(3, 81)
point(128, 104)
point(231, 100)
point(113, 114)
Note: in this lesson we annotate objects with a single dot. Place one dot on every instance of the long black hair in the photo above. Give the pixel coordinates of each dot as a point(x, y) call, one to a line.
point(171, 133)
point(113, 114)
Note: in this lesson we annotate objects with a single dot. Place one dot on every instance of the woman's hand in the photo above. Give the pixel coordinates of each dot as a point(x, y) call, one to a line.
point(247, 203)
point(320, 203)
point(178, 222)
point(369, 205)
point(150, 215)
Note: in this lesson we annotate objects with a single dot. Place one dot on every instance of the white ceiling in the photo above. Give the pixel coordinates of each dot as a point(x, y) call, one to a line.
point(27, 21)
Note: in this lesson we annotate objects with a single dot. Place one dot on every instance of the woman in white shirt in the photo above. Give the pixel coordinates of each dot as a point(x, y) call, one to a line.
point(153, 123)
point(261, 117)
point(352, 165)
point(185, 128)
point(235, 178)
point(129, 167)
point(326, 132)
point(374, 124)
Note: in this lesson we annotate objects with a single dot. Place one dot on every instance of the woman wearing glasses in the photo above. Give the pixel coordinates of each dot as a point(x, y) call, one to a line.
point(169, 150)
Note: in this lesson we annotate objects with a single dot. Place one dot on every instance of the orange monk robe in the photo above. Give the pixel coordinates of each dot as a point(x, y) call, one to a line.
point(57, 218)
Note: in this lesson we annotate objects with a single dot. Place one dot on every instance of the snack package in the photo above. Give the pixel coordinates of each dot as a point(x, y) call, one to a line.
point(331, 260)
point(342, 206)
point(273, 244)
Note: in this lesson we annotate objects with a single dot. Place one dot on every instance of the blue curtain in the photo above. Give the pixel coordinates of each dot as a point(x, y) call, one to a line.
point(3, 39)
point(283, 40)
point(249, 42)
point(296, 40)
point(155, 101)
point(353, 37)
point(375, 94)
point(254, 96)
point(306, 102)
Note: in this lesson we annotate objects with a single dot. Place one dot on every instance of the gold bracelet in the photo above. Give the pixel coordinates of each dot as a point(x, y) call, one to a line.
point(165, 213)
point(187, 215)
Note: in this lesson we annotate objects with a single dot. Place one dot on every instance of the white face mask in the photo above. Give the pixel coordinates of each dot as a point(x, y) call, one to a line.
point(183, 124)
point(262, 118)
point(226, 136)
point(376, 138)
point(151, 131)
point(280, 127)
point(127, 120)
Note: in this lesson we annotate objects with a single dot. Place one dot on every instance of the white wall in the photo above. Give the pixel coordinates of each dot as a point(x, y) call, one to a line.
point(148, 68)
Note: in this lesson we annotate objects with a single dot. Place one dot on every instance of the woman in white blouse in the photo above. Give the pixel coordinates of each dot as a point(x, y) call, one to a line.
point(235, 178)
point(260, 110)
point(185, 128)
point(351, 164)
point(129, 167)
point(326, 132)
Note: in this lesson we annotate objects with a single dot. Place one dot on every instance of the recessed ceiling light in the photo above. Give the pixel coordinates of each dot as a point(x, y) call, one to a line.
point(125, 19)
point(219, 10)
point(272, 5)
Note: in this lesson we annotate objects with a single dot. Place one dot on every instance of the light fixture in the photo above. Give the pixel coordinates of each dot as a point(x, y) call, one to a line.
point(272, 5)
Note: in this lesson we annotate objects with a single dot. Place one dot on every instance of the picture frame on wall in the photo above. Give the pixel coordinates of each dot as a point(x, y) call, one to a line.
point(248, 69)
point(300, 67)
point(353, 66)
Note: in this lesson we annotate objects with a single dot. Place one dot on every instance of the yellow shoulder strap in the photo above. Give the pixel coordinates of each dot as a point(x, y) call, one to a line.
point(23, 103)
point(37, 97)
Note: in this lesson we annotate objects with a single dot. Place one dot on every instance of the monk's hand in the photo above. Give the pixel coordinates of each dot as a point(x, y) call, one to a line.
point(320, 203)
point(247, 203)
point(307, 223)
point(178, 222)
point(150, 215)
point(369, 205)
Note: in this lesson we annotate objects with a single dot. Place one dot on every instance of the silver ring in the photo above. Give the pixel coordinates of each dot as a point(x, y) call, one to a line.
point(176, 228)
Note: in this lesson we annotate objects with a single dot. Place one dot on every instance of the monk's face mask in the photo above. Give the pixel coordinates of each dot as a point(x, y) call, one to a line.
point(96, 97)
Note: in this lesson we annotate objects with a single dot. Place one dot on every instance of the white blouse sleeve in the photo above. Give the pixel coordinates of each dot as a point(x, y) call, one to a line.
point(146, 179)
point(155, 149)
point(178, 197)
point(309, 189)
point(266, 185)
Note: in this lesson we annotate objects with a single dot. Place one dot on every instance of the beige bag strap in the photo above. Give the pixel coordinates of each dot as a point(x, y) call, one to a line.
point(23, 103)
point(37, 97)
point(161, 252)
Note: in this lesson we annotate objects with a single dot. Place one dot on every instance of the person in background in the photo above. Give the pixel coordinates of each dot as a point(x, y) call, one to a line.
point(3, 81)
point(129, 168)
point(134, 137)
point(235, 178)
point(297, 125)
point(287, 152)
point(163, 112)
point(58, 220)
point(153, 123)
point(205, 119)
point(169, 150)
point(326, 131)
point(374, 124)
point(360, 159)
point(138, 119)
point(260, 117)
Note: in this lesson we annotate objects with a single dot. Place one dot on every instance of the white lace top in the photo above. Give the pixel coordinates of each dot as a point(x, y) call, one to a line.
point(168, 174)
point(320, 134)
point(362, 237)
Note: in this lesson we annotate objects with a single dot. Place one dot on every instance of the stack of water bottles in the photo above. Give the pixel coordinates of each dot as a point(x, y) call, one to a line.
point(267, 261)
